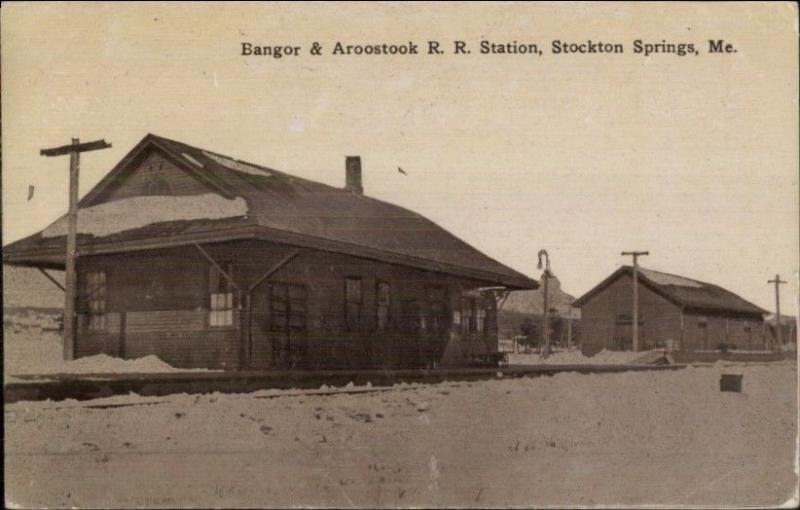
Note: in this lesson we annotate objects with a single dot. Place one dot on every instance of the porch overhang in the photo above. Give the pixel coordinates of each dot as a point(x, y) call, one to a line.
point(50, 254)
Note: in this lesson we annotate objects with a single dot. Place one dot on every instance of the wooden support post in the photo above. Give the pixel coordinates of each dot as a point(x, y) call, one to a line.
point(246, 351)
point(569, 331)
point(70, 280)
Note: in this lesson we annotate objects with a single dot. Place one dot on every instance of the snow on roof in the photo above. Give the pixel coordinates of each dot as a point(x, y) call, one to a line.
point(668, 279)
point(237, 165)
point(135, 212)
point(191, 159)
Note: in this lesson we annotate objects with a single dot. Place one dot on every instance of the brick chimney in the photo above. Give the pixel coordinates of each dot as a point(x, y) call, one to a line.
point(352, 166)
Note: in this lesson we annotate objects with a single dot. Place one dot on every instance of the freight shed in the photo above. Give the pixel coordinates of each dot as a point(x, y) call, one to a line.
point(674, 311)
point(208, 261)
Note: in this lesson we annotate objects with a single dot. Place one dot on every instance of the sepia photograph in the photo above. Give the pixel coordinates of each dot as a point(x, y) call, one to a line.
point(400, 254)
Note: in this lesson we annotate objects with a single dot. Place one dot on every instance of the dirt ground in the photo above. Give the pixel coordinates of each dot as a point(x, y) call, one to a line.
point(663, 438)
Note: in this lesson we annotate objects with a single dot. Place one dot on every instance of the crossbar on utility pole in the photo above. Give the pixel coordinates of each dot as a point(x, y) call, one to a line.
point(777, 281)
point(70, 284)
point(635, 255)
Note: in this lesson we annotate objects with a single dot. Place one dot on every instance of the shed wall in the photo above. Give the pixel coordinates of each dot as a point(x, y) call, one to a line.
point(662, 323)
point(601, 327)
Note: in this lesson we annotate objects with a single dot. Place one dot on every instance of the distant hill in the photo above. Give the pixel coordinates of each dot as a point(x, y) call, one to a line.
point(532, 301)
point(28, 288)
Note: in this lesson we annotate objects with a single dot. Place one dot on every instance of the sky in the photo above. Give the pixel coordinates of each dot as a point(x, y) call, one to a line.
point(693, 158)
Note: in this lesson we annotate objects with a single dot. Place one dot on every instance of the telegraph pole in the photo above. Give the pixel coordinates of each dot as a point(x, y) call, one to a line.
point(777, 281)
point(545, 350)
point(635, 255)
point(74, 150)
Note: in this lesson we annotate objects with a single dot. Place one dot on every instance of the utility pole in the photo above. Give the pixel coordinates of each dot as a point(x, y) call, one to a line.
point(74, 150)
point(777, 281)
point(635, 255)
point(545, 352)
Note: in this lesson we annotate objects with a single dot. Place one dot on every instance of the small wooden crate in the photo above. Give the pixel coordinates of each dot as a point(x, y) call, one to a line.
point(731, 382)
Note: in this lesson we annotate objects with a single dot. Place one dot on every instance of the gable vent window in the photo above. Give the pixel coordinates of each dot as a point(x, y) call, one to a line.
point(221, 297)
point(153, 181)
point(156, 185)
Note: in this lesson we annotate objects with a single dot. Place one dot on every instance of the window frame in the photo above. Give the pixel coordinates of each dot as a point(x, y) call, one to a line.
point(468, 315)
point(357, 323)
point(379, 305)
point(221, 317)
point(96, 302)
point(481, 317)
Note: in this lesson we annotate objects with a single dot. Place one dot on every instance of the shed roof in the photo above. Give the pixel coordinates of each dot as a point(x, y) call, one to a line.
point(685, 292)
point(282, 208)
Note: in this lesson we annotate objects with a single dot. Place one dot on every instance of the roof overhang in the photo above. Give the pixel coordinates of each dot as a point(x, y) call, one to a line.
point(53, 256)
point(688, 308)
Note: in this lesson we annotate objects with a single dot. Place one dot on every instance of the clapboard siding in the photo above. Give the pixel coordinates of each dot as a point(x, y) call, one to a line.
point(167, 321)
point(662, 323)
point(155, 175)
point(106, 341)
point(187, 349)
point(660, 320)
point(162, 297)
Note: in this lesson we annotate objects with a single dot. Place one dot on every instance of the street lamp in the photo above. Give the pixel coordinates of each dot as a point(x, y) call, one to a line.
point(546, 276)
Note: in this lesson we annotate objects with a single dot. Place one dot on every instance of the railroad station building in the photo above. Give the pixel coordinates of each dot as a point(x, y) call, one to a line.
point(207, 261)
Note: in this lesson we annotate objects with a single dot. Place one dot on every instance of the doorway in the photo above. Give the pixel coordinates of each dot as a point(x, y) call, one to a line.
point(288, 309)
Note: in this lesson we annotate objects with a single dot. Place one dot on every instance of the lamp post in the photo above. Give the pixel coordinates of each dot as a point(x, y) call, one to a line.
point(546, 305)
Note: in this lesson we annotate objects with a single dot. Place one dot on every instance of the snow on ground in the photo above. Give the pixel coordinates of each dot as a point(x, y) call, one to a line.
point(35, 352)
point(239, 166)
point(104, 364)
point(575, 357)
point(668, 438)
point(668, 279)
point(135, 212)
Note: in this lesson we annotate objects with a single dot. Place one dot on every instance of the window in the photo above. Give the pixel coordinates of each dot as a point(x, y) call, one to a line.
point(457, 317)
point(468, 315)
point(702, 323)
point(154, 181)
point(438, 316)
point(353, 301)
point(220, 293)
point(480, 319)
point(383, 303)
point(624, 318)
point(96, 298)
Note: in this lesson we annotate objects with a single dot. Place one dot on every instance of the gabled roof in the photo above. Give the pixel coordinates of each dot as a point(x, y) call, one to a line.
point(281, 208)
point(684, 292)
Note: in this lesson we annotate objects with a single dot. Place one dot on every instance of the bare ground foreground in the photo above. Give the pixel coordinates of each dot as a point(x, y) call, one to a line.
point(664, 438)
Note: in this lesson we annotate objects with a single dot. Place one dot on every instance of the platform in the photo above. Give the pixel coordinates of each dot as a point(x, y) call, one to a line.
point(90, 386)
